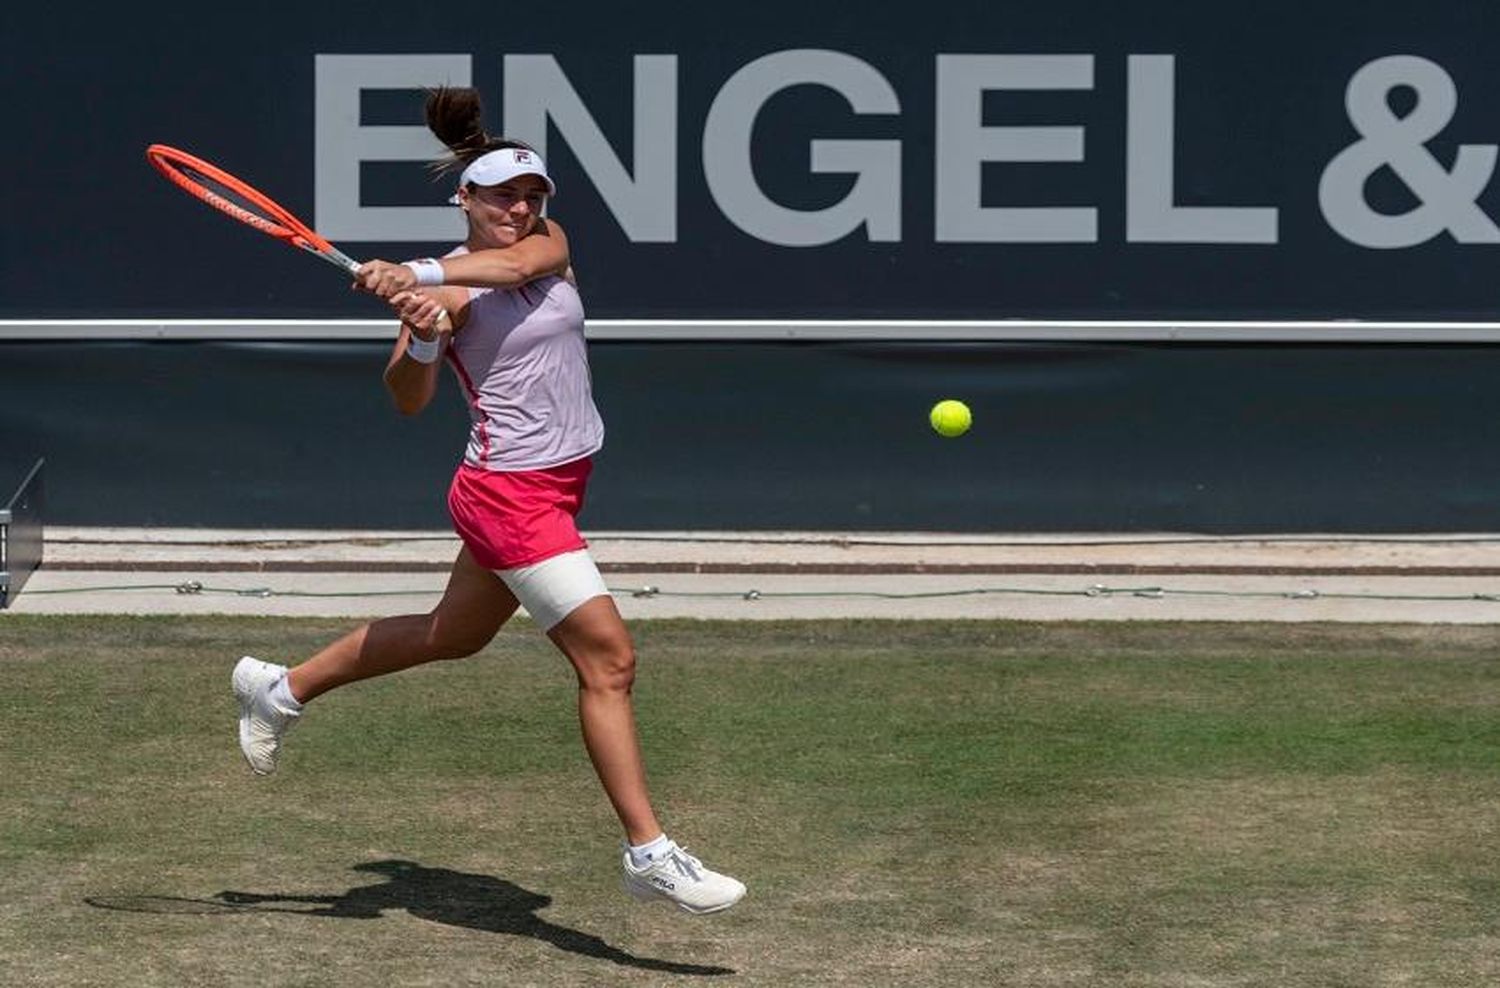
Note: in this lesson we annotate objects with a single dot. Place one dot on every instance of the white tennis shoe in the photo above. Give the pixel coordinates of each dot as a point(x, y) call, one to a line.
point(681, 879)
point(262, 723)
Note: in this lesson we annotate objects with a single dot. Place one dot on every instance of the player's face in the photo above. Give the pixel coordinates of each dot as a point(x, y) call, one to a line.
point(507, 212)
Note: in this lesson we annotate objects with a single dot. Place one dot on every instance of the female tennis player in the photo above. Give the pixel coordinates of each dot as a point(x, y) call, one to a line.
point(504, 311)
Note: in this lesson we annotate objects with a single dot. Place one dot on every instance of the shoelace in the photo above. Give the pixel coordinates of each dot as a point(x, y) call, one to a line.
point(686, 864)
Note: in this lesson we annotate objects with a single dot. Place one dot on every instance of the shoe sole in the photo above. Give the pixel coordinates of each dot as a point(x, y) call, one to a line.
point(244, 692)
point(644, 893)
point(245, 744)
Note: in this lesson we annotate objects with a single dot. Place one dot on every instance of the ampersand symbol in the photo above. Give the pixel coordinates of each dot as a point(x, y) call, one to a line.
point(1449, 199)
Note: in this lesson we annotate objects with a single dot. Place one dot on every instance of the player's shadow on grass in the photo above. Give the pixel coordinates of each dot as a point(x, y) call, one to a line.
point(454, 898)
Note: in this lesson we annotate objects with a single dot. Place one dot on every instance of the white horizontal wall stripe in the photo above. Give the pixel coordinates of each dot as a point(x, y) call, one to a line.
point(737, 330)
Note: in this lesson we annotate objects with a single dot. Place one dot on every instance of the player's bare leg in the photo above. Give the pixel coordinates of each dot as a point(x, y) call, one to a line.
point(474, 606)
point(595, 640)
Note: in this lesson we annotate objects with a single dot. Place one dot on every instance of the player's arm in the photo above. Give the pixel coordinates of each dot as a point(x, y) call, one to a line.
point(541, 253)
point(426, 328)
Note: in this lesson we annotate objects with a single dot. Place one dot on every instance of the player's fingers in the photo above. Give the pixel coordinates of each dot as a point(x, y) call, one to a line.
point(426, 314)
point(385, 279)
point(368, 275)
point(405, 305)
point(392, 281)
point(423, 313)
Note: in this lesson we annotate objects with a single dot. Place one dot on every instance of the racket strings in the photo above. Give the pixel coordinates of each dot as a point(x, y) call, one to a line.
point(229, 200)
point(239, 200)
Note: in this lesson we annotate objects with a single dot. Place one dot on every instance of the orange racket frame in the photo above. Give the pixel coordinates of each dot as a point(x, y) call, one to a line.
point(278, 221)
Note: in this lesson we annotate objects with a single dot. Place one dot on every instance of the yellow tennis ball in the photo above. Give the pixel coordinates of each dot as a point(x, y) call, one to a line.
point(950, 418)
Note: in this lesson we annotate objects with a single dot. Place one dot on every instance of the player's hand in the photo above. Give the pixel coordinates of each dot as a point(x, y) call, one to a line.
point(422, 313)
point(385, 279)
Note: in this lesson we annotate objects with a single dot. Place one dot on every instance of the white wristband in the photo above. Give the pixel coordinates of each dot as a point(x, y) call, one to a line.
point(423, 351)
point(429, 271)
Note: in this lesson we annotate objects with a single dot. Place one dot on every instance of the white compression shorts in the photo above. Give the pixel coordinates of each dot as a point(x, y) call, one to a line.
point(553, 588)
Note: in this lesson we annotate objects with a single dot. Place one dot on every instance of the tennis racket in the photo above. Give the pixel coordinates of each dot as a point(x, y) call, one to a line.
point(239, 199)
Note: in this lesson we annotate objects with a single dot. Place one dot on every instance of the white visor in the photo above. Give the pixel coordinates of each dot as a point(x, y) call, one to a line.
point(499, 167)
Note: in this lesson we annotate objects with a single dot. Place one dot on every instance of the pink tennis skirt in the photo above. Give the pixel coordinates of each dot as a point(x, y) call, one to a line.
point(510, 519)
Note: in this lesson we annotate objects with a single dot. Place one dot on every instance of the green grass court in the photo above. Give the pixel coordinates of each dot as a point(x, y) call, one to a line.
point(913, 804)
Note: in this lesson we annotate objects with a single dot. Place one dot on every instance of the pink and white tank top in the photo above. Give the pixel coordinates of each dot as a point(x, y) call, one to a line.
point(523, 364)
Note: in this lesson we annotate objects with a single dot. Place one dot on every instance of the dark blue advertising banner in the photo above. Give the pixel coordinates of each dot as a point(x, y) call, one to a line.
point(868, 160)
point(772, 436)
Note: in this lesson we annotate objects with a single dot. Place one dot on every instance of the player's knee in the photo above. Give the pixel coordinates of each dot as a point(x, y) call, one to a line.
point(445, 642)
point(609, 666)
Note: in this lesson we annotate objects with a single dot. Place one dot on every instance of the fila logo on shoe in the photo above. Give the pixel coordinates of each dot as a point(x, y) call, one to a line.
point(658, 880)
